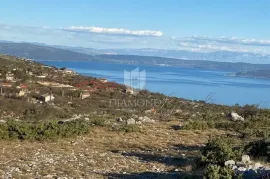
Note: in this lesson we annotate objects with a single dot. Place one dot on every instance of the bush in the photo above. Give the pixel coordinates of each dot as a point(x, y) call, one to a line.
point(218, 172)
point(48, 130)
point(127, 128)
point(259, 149)
point(249, 111)
point(218, 151)
point(99, 122)
point(199, 125)
point(254, 127)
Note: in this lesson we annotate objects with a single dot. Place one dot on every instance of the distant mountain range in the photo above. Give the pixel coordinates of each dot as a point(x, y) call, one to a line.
point(221, 56)
point(185, 59)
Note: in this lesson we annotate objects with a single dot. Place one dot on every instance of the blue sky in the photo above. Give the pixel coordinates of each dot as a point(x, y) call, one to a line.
point(211, 24)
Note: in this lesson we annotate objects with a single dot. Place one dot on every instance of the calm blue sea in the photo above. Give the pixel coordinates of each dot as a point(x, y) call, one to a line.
point(193, 84)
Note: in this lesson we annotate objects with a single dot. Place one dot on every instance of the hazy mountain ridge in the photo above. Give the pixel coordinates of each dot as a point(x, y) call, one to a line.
point(39, 52)
point(42, 52)
point(221, 56)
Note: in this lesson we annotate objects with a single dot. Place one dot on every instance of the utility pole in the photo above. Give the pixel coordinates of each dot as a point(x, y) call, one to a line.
point(81, 95)
point(50, 94)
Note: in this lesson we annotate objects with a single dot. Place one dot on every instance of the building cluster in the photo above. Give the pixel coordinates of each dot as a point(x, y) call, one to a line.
point(46, 77)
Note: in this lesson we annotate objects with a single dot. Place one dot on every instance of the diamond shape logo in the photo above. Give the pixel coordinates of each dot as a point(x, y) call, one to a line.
point(135, 79)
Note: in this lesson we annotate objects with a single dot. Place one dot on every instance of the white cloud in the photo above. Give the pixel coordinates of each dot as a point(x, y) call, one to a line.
point(232, 44)
point(231, 40)
point(115, 31)
point(96, 37)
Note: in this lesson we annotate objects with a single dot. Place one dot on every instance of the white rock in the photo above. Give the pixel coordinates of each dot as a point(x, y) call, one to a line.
point(147, 120)
point(241, 169)
point(229, 163)
point(236, 117)
point(131, 121)
point(48, 176)
point(178, 111)
point(257, 166)
point(119, 119)
point(245, 159)
point(148, 111)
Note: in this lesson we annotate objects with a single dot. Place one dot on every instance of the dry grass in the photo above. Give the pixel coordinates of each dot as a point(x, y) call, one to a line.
point(102, 153)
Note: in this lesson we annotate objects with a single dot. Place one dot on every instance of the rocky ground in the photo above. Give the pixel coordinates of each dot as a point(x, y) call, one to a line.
point(159, 149)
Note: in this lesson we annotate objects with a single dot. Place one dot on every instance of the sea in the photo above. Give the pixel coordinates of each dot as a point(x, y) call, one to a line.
point(194, 84)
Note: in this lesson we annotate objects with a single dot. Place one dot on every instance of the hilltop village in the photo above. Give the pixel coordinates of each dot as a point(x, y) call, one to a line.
point(24, 83)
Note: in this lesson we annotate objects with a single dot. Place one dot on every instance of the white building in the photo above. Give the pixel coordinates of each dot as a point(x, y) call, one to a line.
point(68, 71)
point(9, 76)
point(21, 93)
point(85, 95)
point(47, 98)
point(129, 90)
point(103, 80)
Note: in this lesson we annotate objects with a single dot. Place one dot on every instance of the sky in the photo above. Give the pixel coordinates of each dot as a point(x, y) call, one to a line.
point(194, 25)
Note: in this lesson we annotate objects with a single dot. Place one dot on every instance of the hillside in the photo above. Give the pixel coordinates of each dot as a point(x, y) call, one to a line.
point(55, 123)
point(38, 52)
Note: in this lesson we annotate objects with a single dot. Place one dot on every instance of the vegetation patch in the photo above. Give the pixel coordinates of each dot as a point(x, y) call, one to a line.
point(47, 130)
point(199, 125)
point(259, 149)
point(218, 172)
point(127, 128)
point(218, 151)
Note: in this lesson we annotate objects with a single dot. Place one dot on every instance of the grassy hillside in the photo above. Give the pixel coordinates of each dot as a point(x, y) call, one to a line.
point(114, 134)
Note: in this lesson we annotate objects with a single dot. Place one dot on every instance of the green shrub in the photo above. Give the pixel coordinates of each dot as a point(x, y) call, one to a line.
point(199, 125)
point(40, 130)
point(259, 149)
point(218, 172)
point(249, 128)
point(218, 151)
point(249, 111)
point(3, 131)
point(99, 122)
point(127, 128)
